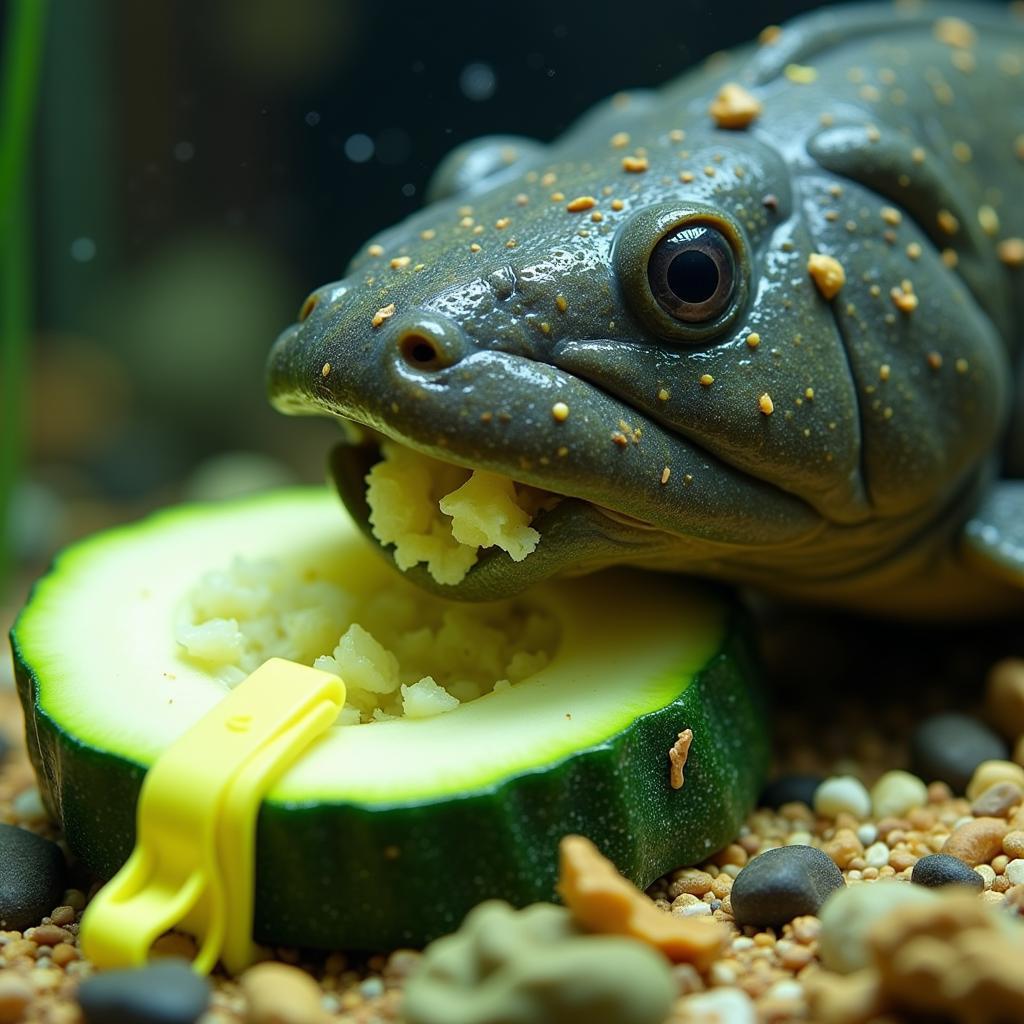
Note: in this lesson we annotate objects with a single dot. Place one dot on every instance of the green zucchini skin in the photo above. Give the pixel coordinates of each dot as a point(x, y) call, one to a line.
point(356, 876)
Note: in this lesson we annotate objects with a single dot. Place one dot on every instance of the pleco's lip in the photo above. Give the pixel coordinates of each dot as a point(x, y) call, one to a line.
point(576, 535)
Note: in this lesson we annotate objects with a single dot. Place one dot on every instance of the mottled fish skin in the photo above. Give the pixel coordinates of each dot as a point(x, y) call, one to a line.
point(824, 449)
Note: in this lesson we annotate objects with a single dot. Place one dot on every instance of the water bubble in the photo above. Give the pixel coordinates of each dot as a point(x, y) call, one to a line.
point(313, 118)
point(359, 148)
point(478, 82)
point(408, 190)
point(183, 152)
point(83, 250)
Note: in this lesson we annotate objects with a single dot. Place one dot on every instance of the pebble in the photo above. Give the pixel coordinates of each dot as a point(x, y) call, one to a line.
point(167, 992)
point(877, 855)
point(842, 793)
point(719, 1006)
point(849, 914)
point(15, 995)
point(28, 807)
point(32, 877)
point(949, 747)
point(783, 883)
point(997, 801)
point(790, 789)
point(938, 869)
point(1004, 697)
point(896, 793)
point(977, 841)
point(1014, 871)
point(1013, 843)
point(989, 773)
point(278, 993)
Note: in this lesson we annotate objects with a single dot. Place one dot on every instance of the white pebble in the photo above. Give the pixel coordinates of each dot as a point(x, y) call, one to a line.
point(897, 792)
point(842, 793)
point(987, 873)
point(850, 912)
point(799, 839)
point(867, 834)
point(695, 910)
point(790, 988)
point(876, 855)
point(1015, 871)
point(719, 1006)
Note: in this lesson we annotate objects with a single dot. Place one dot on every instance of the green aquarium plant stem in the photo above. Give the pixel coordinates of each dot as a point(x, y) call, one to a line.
point(18, 89)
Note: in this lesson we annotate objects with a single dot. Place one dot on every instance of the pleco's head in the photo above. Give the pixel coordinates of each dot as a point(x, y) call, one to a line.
point(628, 321)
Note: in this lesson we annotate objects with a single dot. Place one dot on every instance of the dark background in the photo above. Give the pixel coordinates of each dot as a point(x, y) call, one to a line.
point(200, 166)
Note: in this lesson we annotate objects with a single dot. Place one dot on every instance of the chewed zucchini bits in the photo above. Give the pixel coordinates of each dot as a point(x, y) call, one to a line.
point(441, 514)
point(400, 652)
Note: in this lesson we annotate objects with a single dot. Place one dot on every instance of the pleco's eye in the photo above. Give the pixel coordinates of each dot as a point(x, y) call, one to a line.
point(692, 273)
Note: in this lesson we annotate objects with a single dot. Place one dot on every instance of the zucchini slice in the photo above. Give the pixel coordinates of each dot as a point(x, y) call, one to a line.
point(387, 833)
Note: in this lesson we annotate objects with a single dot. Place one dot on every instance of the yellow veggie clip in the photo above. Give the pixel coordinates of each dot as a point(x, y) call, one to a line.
point(193, 862)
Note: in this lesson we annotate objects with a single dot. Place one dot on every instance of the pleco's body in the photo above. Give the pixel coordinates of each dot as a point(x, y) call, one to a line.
point(724, 413)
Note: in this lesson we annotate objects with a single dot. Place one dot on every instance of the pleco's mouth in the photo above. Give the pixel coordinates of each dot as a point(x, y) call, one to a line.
point(470, 533)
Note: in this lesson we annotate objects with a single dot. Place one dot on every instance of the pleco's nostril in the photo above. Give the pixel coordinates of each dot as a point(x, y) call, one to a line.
point(308, 306)
point(428, 343)
point(420, 351)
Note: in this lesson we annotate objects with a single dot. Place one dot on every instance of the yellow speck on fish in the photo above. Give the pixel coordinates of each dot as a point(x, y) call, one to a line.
point(734, 107)
point(581, 203)
point(827, 274)
point(382, 314)
point(1011, 251)
point(325, 370)
point(706, 380)
point(765, 404)
point(903, 297)
point(753, 340)
point(561, 303)
point(560, 412)
point(954, 32)
point(989, 220)
point(948, 222)
point(620, 140)
point(665, 474)
point(400, 262)
point(635, 164)
point(663, 394)
point(801, 74)
point(375, 250)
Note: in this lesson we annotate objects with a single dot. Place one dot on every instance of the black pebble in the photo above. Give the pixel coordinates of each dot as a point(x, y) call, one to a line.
point(32, 877)
point(790, 789)
point(942, 869)
point(784, 883)
point(167, 992)
point(949, 747)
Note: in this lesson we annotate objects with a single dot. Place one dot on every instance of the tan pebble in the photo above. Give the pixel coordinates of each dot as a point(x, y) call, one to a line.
point(277, 993)
point(48, 935)
point(1013, 844)
point(978, 841)
point(1004, 697)
point(690, 880)
point(62, 916)
point(900, 860)
point(63, 954)
point(988, 773)
point(997, 801)
point(15, 995)
point(75, 899)
point(19, 948)
point(734, 107)
point(721, 886)
point(844, 847)
point(734, 854)
point(827, 273)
